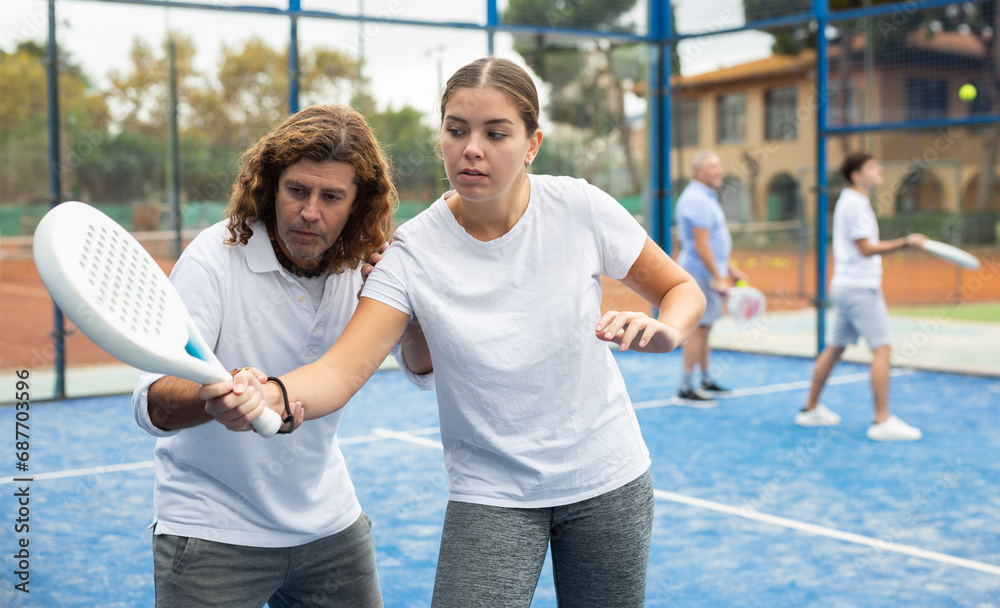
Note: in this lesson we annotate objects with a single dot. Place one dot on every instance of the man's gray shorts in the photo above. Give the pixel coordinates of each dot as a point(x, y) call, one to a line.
point(861, 311)
point(713, 302)
point(337, 570)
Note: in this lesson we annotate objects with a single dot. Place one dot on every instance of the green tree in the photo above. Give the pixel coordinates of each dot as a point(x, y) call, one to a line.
point(792, 40)
point(410, 144)
point(588, 80)
point(221, 114)
point(24, 122)
point(133, 163)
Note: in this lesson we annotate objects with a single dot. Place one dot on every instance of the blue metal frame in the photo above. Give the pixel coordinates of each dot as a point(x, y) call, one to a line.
point(888, 9)
point(489, 27)
point(822, 69)
point(661, 39)
point(756, 25)
point(492, 23)
point(660, 135)
point(294, 7)
point(55, 190)
point(937, 123)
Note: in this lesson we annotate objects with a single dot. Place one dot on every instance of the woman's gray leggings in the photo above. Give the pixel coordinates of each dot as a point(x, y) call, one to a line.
point(492, 556)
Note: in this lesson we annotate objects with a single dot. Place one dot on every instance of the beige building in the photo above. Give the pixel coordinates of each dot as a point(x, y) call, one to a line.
point(761, 119)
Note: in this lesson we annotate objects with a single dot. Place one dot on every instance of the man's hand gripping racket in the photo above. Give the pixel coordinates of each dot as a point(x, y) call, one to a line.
point(116, 294)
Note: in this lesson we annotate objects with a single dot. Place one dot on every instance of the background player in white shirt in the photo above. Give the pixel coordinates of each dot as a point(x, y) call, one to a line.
point(856, 292)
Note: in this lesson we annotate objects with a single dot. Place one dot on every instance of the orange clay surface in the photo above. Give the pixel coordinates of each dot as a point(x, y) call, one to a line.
point(914, 277)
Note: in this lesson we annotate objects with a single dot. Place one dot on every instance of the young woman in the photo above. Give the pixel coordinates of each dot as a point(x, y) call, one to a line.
point(540, 439)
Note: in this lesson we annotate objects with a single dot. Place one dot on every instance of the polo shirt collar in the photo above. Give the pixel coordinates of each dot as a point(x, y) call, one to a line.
point(258, 251)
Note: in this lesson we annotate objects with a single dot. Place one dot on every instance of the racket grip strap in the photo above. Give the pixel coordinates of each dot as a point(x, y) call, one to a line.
point(288, 419)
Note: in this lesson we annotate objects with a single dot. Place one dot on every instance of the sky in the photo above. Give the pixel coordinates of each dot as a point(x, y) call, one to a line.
point(402, 63)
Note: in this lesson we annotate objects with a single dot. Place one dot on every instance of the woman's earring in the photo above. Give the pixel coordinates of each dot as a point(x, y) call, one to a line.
point(527, 163)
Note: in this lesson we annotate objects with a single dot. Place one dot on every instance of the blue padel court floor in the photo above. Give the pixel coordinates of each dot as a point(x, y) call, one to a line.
point(750, 509)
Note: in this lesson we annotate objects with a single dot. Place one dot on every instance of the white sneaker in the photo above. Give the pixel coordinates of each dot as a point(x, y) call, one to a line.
point(893, 429)
point(818, 416)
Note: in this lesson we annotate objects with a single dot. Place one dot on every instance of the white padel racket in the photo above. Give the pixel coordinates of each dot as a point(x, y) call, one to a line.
point(745, 304)
point(114, 292)
point(952, 254)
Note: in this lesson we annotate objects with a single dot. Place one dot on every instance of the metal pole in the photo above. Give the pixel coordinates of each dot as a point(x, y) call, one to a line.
point(492, 20)
point(800, 238)
point(666, 129)
point(360, 86)
point(820, 10)
point(659, 125)
point(294, 6)
point(869, 77)
point(653, 101)
point(174, 189)
point(55, 190)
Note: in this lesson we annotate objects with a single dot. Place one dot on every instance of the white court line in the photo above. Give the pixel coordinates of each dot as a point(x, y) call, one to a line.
point(776, 388)
point(412, 437)
point(131, 466)
point(377, 436)
point(408, 437)
point(881, 545)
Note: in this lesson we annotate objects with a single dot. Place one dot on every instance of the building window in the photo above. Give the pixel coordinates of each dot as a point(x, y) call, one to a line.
point(731, 118)
point(782, 198)
point(779, 114)
point(920, 191)
point(841, 104)
point(970, 198)
point(687, 130)
point(926, 98)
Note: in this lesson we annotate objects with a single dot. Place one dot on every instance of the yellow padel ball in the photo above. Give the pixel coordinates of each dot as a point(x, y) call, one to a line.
point(967, 92)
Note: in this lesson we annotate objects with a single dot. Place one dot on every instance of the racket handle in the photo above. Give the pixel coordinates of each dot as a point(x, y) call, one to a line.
point(268, 423)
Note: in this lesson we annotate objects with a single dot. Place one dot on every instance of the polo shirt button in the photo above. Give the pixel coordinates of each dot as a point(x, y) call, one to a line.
point(315, 328)
point(302, 298)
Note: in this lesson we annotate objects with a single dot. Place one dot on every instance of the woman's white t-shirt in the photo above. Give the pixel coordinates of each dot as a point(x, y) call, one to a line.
point(533, 408)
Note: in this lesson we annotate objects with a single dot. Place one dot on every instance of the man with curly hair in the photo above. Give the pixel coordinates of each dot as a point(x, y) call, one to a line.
point(240, 520)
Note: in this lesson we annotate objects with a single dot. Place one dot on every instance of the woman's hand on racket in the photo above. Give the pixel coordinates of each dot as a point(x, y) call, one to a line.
point(256, 380)
point(637, 331)
point(234, 403)
point(237, 403)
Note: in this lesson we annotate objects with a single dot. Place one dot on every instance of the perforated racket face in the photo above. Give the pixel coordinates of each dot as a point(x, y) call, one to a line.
point(123, 280)
point(113, 291)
